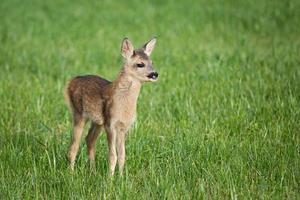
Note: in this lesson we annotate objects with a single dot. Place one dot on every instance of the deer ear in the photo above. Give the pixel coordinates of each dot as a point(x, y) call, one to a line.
point(149, 46)
point(127, 48)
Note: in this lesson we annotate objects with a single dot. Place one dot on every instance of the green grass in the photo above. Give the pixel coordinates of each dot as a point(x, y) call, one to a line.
point(222, 122)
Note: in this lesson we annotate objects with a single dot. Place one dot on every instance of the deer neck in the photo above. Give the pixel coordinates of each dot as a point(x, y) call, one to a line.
point(126, 89)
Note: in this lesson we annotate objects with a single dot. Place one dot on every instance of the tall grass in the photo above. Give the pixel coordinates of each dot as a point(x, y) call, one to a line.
point(222, 122)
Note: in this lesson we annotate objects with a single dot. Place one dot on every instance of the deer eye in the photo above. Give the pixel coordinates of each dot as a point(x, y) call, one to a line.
point(140, 65)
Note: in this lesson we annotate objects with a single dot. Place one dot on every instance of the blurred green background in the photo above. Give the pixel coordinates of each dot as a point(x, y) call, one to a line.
point(222, 122)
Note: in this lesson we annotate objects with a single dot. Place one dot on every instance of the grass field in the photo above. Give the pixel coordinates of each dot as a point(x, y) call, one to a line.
point(222, 122)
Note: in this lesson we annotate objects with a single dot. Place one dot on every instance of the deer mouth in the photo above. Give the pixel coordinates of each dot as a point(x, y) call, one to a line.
point(153, 76)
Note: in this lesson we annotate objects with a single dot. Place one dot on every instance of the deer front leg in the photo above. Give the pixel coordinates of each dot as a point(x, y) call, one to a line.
point(112, 154)
point(121, 150)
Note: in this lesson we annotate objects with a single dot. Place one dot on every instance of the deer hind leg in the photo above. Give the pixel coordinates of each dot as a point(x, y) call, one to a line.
point(78, 126)
point(91, 138)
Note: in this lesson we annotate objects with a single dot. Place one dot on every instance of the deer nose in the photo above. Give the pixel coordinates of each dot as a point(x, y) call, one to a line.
point(153, 75)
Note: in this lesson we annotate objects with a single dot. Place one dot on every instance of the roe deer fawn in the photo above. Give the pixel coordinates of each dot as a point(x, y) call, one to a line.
point(109, 105)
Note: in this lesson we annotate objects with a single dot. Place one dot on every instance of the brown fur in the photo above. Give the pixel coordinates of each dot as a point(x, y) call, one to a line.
point(108, 105)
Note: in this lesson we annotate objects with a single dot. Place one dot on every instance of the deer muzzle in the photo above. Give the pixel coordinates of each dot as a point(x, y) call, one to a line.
point(153, 75)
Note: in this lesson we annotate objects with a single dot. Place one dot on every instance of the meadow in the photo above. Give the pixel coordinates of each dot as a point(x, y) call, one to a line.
point(222, 121)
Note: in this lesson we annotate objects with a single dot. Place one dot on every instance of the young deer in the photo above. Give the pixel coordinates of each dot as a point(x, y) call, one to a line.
point(109, 105)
